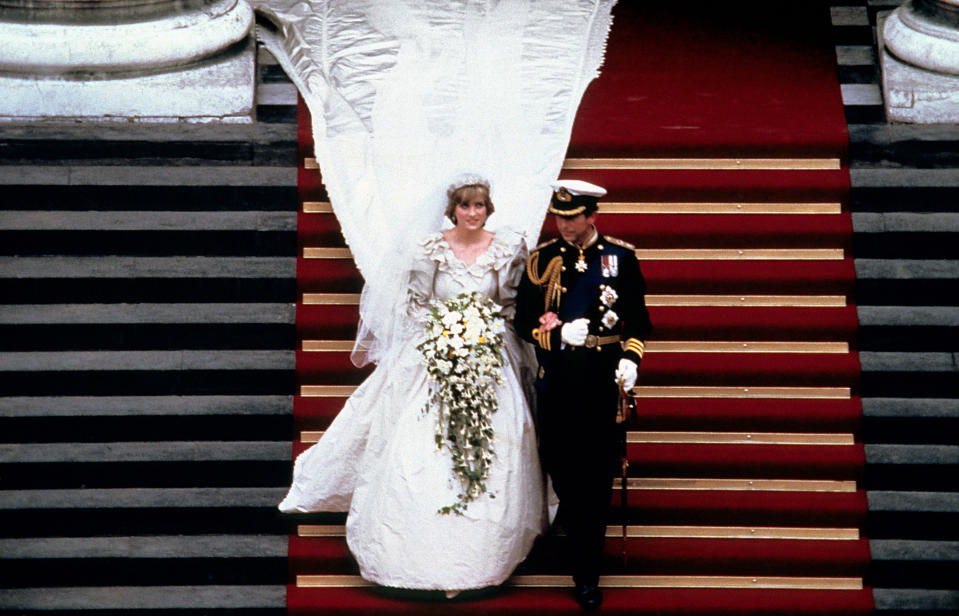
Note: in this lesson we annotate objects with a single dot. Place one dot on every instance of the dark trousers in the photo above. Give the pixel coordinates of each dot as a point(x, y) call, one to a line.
point(576, 411)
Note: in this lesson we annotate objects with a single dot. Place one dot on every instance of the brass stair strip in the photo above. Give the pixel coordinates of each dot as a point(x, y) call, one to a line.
point(679, 207)
point(740, 438)
point(700, 207)
point(662, 346)
point(741, 254)
point(778, 164)
point(792, 301)
point(733, 346)
point(667, 532)
point(771, 301)
point(737, 485)
point(327, 345)
point(313, 252)
point(735, 532)
point(720, 164)
point(701, 438)
point(668, 254)
point(741, 392)
point(342, 391)
point(331, 299)
point(628, 581)
point(326, 391)
point(317, 207)
point(696, 581)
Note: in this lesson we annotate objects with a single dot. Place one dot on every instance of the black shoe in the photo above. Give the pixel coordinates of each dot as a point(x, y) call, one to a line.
point(589, 596)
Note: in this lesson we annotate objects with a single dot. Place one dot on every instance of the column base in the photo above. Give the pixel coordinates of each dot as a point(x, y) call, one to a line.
point(218, 89)
point(915, 95)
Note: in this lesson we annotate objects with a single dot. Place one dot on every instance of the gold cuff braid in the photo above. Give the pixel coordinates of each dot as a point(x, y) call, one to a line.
point(542, 338)
point(635, 345)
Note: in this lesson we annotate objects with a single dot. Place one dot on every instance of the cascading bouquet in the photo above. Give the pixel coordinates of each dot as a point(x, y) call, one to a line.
point(463, 353)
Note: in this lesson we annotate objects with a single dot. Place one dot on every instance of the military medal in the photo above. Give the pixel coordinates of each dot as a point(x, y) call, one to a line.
point(581, 265)
point(610, 266)
point(610, 319)
point(608, 296)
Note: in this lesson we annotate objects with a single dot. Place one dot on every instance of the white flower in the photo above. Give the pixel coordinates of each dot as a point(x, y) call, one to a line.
point(450, 318)
point(456, 342)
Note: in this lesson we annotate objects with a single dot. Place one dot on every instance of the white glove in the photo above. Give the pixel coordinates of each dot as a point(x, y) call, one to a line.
point(626, 374)
point(574, 333)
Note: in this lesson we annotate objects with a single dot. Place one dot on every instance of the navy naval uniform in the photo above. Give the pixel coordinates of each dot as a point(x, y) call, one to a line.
point(577, 396)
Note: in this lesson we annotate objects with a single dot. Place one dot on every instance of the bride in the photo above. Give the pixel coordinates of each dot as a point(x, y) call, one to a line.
point(379, 457)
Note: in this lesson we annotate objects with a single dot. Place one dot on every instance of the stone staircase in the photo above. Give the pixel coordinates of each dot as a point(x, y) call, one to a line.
point(147, 277)
point(906, 223)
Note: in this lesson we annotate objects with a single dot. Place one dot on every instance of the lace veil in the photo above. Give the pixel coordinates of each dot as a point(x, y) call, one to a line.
point(407, 95)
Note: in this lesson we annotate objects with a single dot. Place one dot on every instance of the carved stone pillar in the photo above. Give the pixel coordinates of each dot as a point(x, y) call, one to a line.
point(152, 59)
point(919, 49)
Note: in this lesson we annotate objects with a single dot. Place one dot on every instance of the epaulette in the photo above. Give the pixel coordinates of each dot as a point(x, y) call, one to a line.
point(620, 243)
point(547, 243)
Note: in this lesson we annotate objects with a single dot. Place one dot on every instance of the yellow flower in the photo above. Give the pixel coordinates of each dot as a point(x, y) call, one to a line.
point(481, 340)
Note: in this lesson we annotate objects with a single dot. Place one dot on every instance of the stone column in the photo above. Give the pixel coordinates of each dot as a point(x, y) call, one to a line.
point(919, 51)
point(140, 59)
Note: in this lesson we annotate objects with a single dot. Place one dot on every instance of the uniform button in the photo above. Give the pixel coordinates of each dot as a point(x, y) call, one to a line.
point(600, 246)
point(562, 249)
point(602, 287)
point(601, 328)
point(564, 289)
point(602, 308)
point(562, 269)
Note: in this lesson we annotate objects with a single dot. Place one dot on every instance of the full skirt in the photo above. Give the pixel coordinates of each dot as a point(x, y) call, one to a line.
point(379, 461)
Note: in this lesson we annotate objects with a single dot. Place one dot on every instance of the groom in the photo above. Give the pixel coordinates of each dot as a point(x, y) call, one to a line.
point(581, 303)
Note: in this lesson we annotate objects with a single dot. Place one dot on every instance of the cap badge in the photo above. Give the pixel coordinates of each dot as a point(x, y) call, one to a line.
point(563, 195)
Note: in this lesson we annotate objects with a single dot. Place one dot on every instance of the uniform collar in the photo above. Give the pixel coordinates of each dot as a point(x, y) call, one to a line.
point(589, 242)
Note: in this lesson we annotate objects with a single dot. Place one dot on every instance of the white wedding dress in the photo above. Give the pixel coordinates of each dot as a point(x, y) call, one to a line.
point(379, 460)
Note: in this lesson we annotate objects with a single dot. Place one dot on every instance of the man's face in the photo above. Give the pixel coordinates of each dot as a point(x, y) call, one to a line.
point(575, 229)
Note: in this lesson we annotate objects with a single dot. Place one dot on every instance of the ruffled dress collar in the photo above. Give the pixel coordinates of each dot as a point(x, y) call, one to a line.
point(500, 251)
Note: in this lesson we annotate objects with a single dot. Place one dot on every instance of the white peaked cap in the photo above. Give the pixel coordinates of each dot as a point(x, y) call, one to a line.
point(579, 188)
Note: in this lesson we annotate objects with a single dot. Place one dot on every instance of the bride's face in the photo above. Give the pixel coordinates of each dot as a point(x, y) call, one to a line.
point(471, 213)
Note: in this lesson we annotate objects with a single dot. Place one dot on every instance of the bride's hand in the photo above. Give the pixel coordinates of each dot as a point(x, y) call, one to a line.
point(549, 321)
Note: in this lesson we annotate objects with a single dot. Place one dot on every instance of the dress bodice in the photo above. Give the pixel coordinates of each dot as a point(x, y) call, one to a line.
point(438, 274)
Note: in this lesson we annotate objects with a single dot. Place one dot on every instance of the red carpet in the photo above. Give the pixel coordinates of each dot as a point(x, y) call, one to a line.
point(705, 80)
point(715, 78)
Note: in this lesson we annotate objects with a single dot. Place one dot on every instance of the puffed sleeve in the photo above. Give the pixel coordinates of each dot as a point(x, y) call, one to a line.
point(509, 272)
point(421, 279)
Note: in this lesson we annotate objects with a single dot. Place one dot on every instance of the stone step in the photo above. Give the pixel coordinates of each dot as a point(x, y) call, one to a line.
point(130, 175)
point(204, 197)
point(914, 564)
point(915, 600)
point(206, 598)
point(126, 221)
point(912, 145)
point(148, 267)
point(914, 515)
point(139, 406)
point(897, 374)
point(912, 467)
